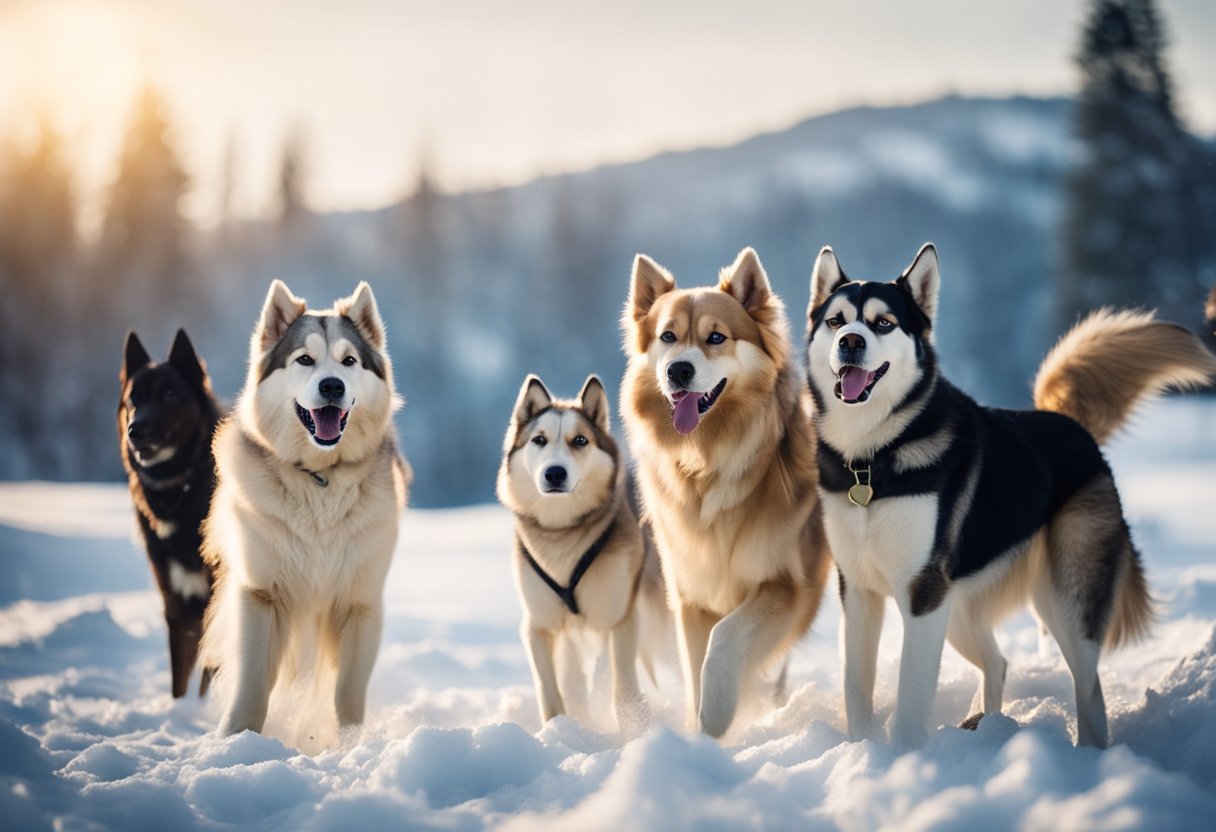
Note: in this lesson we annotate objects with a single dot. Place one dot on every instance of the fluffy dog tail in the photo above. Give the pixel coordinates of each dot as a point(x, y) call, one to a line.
point(1112, 361)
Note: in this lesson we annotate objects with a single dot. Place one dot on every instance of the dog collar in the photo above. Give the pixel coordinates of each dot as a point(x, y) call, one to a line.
point(566, 593)
point(860, 492)
point(316, 475)
point(181, 480)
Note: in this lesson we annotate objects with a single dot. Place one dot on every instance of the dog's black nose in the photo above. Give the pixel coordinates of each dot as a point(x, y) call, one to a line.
point(332, 388)
point(555, 475)
point(136, 431)
point(852, 341)
point(681, 372)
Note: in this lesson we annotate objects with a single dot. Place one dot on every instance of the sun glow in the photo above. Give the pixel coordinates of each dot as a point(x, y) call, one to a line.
point(77, 66)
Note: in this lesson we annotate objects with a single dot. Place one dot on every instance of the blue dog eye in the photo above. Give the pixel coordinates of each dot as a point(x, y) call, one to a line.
point(715, 338)
point(668, 337)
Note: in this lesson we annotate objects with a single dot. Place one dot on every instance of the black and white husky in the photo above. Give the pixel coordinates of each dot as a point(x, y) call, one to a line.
point(962, 512)
point(582, 561)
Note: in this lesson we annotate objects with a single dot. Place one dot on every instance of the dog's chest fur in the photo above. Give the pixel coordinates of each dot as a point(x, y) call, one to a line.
point(319, 540)
point(717, 562)
point(884, 546)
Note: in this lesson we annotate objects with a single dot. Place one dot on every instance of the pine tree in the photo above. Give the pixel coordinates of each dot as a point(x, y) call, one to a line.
point(1133, 230)
point(38, 272)
point(293, 209)
point(145, 275)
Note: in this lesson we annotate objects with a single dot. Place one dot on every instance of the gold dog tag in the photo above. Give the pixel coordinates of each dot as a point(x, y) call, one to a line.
point(861, 492)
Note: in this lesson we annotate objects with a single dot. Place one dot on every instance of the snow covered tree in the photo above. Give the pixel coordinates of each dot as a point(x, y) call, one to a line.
point(1139, 201)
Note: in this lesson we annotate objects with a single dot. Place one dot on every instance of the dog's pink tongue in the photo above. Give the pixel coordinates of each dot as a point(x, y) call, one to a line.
point(687, 416)
point(853, 382)
point(328, 421)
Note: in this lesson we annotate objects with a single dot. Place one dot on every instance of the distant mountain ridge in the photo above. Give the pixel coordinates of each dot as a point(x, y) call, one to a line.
point(480, 288)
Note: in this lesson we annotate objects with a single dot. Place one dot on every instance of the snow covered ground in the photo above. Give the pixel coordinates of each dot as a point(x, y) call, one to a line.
point(89, 737)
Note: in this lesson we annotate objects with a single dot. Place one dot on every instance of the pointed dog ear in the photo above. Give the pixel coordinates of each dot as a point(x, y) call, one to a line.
point(134, 357)
point(593, 399)
point(362, 310)
point(826, 277)
point(186, 361)
point(534, 397)
point(280, 311)
point(649, 282)
point(746, 281)
point(922, 280)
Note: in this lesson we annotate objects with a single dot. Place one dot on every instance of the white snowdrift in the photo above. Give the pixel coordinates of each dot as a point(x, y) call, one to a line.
point(90, 739)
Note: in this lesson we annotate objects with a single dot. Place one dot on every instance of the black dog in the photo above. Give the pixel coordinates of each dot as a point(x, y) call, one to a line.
point(166, 418)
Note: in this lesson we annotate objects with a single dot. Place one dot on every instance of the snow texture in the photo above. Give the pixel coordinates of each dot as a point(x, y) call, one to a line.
point(90, 739)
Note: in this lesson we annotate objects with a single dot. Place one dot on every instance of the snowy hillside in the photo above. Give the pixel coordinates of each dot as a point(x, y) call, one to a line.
point(90, 739)
point(480, 289)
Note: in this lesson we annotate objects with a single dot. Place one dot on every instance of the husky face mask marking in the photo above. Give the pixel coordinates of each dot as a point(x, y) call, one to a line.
point(561, 460)
point(870, 343)
point(701, 344)
point(316, 370)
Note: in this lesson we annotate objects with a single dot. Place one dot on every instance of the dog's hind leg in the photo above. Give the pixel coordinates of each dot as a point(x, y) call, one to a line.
point(358, 641)
point(695, 625)
point(631, 713)
point(539, 643)
point(781, 685)
point(1081, 655)
point(1075, 596)
point(259, 648)
point(972, 637)
point(738, 646)
point(861, 628)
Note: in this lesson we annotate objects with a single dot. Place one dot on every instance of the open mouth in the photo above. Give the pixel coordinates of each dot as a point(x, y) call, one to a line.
point(689, 406)
point(855, 383)
point(149, 455)
point(324, 423)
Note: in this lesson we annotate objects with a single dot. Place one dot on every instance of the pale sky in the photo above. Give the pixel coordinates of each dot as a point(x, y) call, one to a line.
point(503, 91)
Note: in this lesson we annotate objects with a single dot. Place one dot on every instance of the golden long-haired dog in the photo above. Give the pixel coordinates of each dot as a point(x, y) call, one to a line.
point(716, 416)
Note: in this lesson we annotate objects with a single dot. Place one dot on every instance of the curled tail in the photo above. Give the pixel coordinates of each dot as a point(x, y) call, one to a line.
point(1112, 361)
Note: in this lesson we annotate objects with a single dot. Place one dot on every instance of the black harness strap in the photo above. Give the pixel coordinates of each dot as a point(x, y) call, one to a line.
point(566, 593)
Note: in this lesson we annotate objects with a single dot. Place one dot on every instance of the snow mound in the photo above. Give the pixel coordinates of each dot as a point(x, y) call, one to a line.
point(90, 739)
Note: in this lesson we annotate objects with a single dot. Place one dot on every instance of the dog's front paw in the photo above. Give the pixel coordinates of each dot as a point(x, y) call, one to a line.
point(908, 734)
point(633, 717)
point(718, 704)
point(230, 726)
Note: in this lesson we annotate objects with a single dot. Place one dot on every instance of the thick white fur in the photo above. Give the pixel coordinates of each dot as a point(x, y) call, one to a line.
point(298, 561)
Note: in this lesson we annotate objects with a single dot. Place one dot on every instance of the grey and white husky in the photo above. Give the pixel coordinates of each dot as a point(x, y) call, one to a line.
point(304, 520)
point(962, 512)
point(582, 561)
